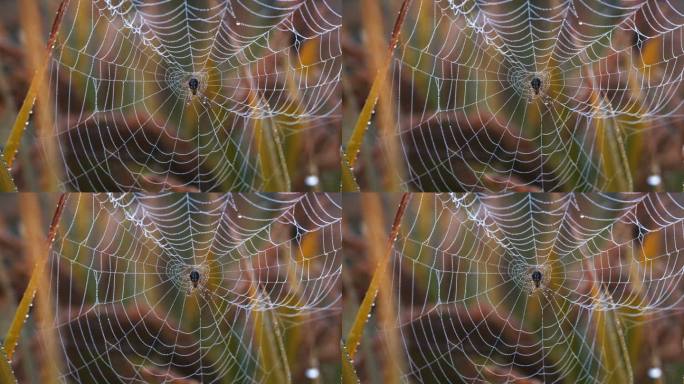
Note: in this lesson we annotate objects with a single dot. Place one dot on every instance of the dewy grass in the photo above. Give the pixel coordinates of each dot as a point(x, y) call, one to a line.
point(354, 144)
point(12, 145)
point(6, 372)
point(26, 302)
point(356, 331)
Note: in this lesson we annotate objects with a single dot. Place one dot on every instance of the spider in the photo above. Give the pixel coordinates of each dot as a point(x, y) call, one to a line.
point(193, 84)
point(537, 278)
point(194, 278)
point(536, 85)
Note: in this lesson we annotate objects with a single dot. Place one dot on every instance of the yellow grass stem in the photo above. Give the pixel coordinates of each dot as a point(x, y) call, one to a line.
point(29, 13)
point(6, 181)
point(349, 183)
point(21, 313)
point(349, 375)
point(271, 156)
point(268, 337)
point(6, 372)
point(612, 145)
point(356, 331)
point(354, 144)
point(12, 145)
point(610, 333)
point(372, 208)
point(375, 36)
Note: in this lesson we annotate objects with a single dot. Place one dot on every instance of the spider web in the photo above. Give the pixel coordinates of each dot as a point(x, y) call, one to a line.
point(609, 72)
point(470, 311)
point(127, 119)
point(128, 310)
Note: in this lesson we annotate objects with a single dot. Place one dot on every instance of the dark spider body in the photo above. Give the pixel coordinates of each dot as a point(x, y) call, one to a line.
point(536, 278)
point(194, 278)
point(536, 85)
point(193, 84)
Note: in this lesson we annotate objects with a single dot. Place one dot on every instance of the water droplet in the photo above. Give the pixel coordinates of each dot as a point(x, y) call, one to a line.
point(655, 373)
point(654, 180)
point(312, 373)
point(311, 181)
point(581, 23)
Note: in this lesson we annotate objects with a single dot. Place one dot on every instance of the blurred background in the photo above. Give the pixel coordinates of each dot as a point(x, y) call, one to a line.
point(458, 302)
point(116, 301)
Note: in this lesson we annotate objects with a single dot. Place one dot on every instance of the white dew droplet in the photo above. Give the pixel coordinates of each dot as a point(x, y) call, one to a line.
point(655, 373)
point(654, 180)
point(581, 216)
point(312, 373)
point(311, 180)
point(581, 23)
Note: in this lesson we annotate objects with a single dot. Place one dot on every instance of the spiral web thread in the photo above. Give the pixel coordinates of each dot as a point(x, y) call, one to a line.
point(470, 310)
point(127, 118)
point(608, 71)
point(128, 311)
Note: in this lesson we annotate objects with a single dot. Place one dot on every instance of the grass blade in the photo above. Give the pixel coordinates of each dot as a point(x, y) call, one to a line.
point(21, 313)
point(12, 146)
point(354, 144)
point(6, 181)
point(610, 333)
point(349, 375)
point(6, 372)
point(349, 183)
point(356, 331)
point(385, 308)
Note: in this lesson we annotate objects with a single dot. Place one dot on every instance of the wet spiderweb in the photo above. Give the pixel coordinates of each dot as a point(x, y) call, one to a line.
point(186, 287)
point(156, 95)
point(536, 287)
point(560, 95)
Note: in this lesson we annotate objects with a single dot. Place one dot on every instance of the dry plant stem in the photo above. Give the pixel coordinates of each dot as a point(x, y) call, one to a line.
point(372, 208)
point(267, 333)
point(610, 136)
point(356, 331)
point(349, 183)
point(349, 375)
point(269, 147)
point(6, 181)
point(356, 139)
point(6, 372)
point(25, 304)
point(615, 332)
point(19, 126)
point(385, 121)
point(43, 114)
